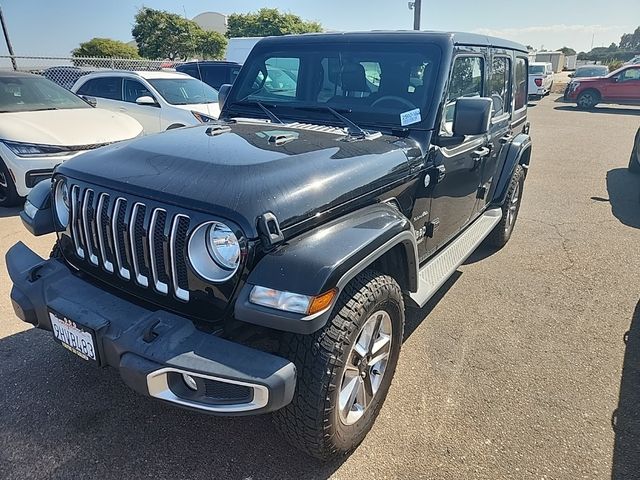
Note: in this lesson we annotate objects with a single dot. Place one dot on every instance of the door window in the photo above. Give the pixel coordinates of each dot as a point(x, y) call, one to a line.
point(521, 83)
point(629, 75)
point(467, 79)
point(499, 86)
point(133, 90)
point(103, 87)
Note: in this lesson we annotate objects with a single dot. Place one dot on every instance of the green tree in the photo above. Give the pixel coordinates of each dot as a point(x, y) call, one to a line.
point(268, 22)
point(105, 47)
point(631, 41)
point(164, 35)
point(567, 51)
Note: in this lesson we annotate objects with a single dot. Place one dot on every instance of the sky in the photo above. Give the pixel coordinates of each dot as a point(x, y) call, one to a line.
point(55, 27)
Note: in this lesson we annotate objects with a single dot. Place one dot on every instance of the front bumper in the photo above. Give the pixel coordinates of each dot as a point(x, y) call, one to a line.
point(152, 349)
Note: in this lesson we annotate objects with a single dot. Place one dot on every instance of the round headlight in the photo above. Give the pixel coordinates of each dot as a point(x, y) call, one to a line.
point(223, 246)
point(214, 251)
point(62, 203)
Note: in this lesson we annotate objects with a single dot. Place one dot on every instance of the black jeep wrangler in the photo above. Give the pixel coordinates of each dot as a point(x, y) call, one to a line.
point(263, 263)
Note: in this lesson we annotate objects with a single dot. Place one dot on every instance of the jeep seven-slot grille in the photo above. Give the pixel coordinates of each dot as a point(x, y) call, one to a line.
point(140, 243)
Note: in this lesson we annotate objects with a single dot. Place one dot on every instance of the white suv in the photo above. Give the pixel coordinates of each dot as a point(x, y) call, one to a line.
point(158, 100)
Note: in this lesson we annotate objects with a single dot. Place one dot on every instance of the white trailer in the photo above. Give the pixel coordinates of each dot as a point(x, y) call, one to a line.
point(239, 48)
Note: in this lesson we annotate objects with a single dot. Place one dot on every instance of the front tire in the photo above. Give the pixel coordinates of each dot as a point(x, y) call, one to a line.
point(8, 194)
point(501, 234)
point(588, 99)
point(634, 161)
point(345, 368)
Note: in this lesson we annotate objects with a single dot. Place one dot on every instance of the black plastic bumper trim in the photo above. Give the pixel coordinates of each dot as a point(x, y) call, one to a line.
point(120, 328)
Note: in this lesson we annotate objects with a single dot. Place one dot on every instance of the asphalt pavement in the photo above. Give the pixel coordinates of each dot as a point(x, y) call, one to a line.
point(525, 366)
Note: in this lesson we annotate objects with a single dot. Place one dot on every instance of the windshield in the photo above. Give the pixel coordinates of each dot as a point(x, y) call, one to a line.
point(583, 72)
point(184, 91)
point(536, 69)
point(32, 94)
point(379, 84)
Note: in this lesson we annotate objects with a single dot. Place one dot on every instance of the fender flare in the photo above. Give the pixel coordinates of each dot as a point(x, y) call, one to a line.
point(519, 153)
point(37, 215)
point(329, 257)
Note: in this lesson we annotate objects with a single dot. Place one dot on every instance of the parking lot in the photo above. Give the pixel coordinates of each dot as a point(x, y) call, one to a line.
point(526, 364)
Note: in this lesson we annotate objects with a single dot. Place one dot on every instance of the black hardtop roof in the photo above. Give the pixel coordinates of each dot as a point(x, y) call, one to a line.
point(457, 38)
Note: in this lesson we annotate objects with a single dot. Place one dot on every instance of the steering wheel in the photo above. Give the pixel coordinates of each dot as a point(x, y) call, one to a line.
point(401, 100)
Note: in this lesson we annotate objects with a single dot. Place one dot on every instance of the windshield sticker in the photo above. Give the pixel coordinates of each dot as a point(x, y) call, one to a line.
point(410, 117)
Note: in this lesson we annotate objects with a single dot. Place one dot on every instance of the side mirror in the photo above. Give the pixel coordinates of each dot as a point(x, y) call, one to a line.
point(472, 116)
point(90, 100)
point(223, 93)
point(147, 100)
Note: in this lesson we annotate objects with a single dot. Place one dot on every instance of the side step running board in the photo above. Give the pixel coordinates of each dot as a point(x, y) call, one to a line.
point(436, 272)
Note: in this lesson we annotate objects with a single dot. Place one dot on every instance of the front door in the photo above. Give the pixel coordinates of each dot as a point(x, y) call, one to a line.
point(458, 168)
point(625, 86)
point(147, 115)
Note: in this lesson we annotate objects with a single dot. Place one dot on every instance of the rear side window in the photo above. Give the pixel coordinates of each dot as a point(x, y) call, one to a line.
point(104, 87)
point(191, 70)
point(521, 83)
point(499, 86)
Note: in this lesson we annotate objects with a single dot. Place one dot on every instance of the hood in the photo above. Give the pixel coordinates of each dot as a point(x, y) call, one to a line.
point(68, 127)
point(210, 109)
point(296, 173)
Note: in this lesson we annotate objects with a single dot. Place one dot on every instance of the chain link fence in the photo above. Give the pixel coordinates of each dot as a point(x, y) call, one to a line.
point(65, 71)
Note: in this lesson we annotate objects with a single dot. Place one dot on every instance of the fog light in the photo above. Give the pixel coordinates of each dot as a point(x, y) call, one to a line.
point(190, 382)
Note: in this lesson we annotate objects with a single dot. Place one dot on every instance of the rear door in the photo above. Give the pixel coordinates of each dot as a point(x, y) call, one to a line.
point(458, 170)
point(500, 81)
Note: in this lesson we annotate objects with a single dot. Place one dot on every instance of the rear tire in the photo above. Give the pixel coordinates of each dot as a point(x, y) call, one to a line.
point(588, 99)
point(8, 194)
point(634, 160)
point(344, 375)
point(501, 234)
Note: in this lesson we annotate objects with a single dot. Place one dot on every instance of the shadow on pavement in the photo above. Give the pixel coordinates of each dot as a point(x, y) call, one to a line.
point(9, 212)
point(415, 316)
point(624, 196)
point(62, 418)
point(604, 109)
point(626, 418)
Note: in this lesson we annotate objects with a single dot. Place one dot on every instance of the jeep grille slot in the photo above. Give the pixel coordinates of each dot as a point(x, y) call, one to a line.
point(142, 244)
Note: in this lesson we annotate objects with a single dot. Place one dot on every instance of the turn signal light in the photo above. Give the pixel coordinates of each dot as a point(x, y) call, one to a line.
point(321, 302)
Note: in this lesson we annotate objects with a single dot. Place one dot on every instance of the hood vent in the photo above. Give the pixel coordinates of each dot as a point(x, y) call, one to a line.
point(282, 138)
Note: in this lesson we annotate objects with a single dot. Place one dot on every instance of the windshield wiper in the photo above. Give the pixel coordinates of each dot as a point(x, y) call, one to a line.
point(272, 116)
point(353, 129)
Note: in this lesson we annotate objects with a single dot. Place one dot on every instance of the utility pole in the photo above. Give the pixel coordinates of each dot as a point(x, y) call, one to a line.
point(417, 11)
point(6, 37)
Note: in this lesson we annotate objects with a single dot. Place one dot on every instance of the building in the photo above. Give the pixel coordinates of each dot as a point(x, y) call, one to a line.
point(212, 22)
point(556, 59)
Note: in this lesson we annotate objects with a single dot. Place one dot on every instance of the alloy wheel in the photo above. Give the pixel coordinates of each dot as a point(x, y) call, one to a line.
point(365, 367)
point(512, 208)
point(4, 186)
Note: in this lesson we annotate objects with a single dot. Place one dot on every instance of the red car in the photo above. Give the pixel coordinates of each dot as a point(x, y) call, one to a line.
point(621, 86)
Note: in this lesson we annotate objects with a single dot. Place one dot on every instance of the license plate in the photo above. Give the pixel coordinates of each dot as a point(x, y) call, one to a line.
point(74, 337)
